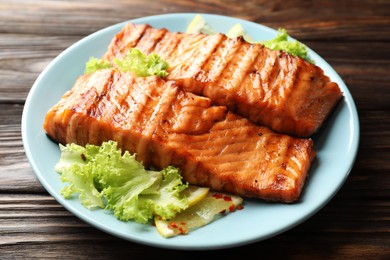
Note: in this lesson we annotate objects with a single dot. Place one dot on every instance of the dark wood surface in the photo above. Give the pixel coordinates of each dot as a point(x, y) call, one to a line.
point(353, 36)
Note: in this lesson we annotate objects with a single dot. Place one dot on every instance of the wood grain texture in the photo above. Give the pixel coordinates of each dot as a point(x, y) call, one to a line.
point(352, 36)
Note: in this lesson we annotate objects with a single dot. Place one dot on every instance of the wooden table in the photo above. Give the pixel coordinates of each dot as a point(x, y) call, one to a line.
point(353, 36)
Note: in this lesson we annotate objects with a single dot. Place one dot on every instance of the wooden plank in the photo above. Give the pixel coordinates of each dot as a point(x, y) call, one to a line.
point(47, 225)
point(21, 64)
point(308, 20)
point(350, 35)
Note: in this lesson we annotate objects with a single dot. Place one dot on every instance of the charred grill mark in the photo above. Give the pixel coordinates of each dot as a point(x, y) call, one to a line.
point(209, 58)
point(149, 39)
point(138, 101)
point(168, 47)
point(158, 39)
point(158, 105)
point(139, 37)
point(274, 79)
point(117, 100)
point(248, 64)
point(232, 47)
point(178, 49)
point(204, 53)
point(94, 110)
point(293, 70)
point(231, 66)
point(254, 91)
point(267, 72)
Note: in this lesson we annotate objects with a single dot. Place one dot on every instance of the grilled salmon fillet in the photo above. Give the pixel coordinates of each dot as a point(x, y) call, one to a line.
point(164, 125)
point(271, 88)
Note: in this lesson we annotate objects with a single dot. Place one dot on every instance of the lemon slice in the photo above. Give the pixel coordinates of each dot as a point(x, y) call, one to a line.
point(237, 30)
point(195, 194)
point(198, 24)
point(211, 207)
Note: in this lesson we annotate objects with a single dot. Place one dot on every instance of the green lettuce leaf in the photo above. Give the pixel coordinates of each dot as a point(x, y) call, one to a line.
point(142, 65)
point(135, 61)
point(170, 186)
point(94, 64)
point(74, 169)
point(105, 177)
point(281, 42)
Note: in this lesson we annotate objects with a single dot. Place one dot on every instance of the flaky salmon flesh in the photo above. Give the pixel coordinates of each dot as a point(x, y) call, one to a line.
point(164, 125)
point(270, 88)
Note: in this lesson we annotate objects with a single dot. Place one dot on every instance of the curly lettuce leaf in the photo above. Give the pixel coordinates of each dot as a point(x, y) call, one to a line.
point(135, 61)
point(170, 185)
point(74, 169)
point(94, 64)
point(281, 42)
point(142, 65)
point(104, 177)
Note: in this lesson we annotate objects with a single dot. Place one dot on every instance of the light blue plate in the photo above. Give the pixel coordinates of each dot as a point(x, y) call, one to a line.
point(336, 145)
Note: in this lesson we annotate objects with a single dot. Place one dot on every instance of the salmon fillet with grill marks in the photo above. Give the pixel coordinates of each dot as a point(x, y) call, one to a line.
point(165, 125)
point(271, 88)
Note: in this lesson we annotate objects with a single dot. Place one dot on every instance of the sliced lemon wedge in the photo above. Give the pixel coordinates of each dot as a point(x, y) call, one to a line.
point(195, 194)
point(198, 24)
point(237, 30)
point(212, 206)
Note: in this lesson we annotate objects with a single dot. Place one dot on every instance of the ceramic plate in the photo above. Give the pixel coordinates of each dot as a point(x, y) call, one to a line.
point(336, 144)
